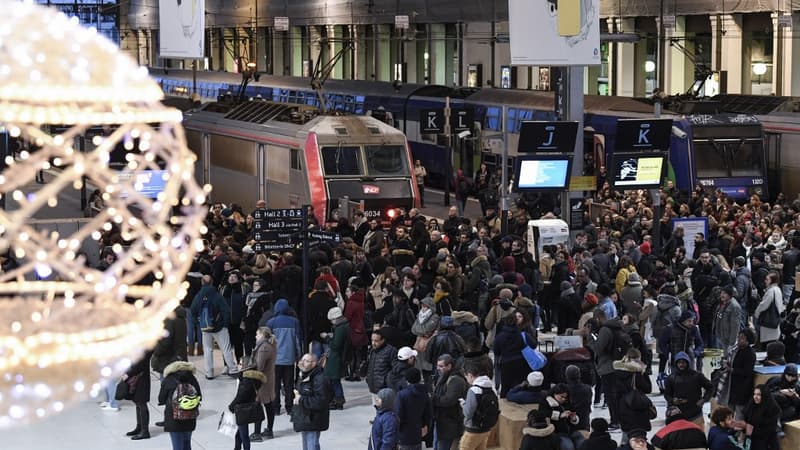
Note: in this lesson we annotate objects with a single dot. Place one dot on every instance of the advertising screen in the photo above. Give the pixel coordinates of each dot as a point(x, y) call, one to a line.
point(149, 183)
point(542, 173)
point(638, 171)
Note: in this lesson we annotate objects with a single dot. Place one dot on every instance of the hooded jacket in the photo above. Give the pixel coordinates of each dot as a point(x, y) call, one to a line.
point(539, 438)
point(174, 374)
point(689, 385)
point(386, 425)
point(553, 409)
point(680, 434)
point(627, 375)
point(287, 332)
point(668, 311)
point(249, 383)
point(602, 346)
point(446, 407)
point(312, 412)
point(471, 402)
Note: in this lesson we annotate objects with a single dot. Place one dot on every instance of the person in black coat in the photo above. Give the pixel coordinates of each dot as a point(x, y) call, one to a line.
point(180, 430)
point(599, 439)
point(171, 347)
point(539, 434)
point(629, 374)
point(414, 411)
point(740, 371)
point(141, 395)
point(762, 415)
point(508, 345)
point(320, 301)
point(311, 413)
point(249, 383)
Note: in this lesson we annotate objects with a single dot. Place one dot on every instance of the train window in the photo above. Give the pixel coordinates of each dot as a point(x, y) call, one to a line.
point(728, 158)
point(342, 160)
point(297, 163)
point(709, 160)
point(493, 118)
point(747, 158)
point(386, 160)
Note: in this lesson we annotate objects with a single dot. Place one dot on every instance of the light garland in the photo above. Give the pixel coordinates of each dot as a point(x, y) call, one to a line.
point(65, 329)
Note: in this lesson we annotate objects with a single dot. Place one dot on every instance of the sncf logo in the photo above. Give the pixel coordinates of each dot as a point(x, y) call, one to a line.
point(371, 189)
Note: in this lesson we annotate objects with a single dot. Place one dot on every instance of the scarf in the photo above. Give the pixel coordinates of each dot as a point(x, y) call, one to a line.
point(437, 297)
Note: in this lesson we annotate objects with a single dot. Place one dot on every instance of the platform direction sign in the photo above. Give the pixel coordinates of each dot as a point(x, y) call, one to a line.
point(275, 229)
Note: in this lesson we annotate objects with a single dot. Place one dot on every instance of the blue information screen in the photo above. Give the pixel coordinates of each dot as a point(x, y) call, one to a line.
point(149, 183)
point(543, 174)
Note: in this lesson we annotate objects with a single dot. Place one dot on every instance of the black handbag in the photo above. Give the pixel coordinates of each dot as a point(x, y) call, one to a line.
point(126, 388)
point(248, 413)
point(770, 318)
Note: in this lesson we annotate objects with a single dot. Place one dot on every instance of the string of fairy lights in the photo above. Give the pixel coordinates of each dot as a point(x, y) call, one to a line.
point(65, 328)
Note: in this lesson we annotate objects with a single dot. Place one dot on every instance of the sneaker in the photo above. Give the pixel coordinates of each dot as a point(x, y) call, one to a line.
point(103, 404)
point(255, 437)
point(108, 407)
point(209, 377)
point(160, 424)
point(267, 434)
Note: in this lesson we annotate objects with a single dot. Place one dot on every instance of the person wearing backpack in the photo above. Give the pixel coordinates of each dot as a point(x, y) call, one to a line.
point(213, 315)
point(632, 382)
point(611, 345)
point(563, 419)
point(481, 408)
point(450, 387)
point(180, 394)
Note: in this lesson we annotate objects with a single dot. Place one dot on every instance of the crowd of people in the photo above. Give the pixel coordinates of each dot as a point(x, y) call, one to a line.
point(439, 319)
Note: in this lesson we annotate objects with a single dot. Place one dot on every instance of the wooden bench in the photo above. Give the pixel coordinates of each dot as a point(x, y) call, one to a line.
point(792, 439)
point(513, 418)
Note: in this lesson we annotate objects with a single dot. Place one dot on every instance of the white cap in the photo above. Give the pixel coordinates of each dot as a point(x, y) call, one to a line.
point(405, 353)
point(248, 249)
point(535, 378)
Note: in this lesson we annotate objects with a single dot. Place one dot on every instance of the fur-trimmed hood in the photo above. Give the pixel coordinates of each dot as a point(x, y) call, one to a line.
point(539, 432)
point(255, 375)
point(523, 302)
point(630, 366)
point(460, 317)
point(178, 366)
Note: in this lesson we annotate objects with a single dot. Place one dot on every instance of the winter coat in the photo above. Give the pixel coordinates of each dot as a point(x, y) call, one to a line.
point(247, 392)
point(689, 385)
point(772, 295)
point(580, 401)
point(287, 332)
point(525, 394)
point(550, 407)
point(668, 311)
point(604, 357)
point(234, 295)
point(631, 299)
point(466, 325)
point(312, 412)
point(539, 439)
point(722, 439)
point(425, 329)
point(678, 338)
point(763, 417)
point(142, 369)
point(319, 303)
point(471, 402)
point(174, 374)
point(599, 441)
point(414, 412)
point(622, 277)
point(379, 366)
point(446, 407)
point(334, 367)
point(384, 429)
point(171, 347)
point(495, 315)
point(727, 323)
point(217, 303)
point(508, 347)
point(680, 434)
point(354, 312)
point(741, 375)
point(471, 289)
point(628, 374)
point(256, 304)
point(264, 355)
point(446, 341)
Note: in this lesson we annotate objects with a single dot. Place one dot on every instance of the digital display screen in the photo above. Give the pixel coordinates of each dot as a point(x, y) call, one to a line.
point(542, 173)
point(149, 183)
point(636, 171)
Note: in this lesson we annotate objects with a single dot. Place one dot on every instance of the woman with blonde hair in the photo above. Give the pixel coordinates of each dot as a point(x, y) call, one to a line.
point(264, 357)
point(261, 266)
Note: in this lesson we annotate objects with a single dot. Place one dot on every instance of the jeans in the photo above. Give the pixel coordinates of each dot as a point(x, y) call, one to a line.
point(224, 343)
point(571, 441)
point(338, 391)
point(242, 440)
point(787, 292)
point(310, 440)
point(181, 440)
point(193, 333)
point(111, 391)
point(318, 348)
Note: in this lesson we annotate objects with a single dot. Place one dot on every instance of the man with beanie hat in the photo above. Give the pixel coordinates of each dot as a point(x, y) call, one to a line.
point(529, 391)
point(682, 337)
point(385, 425)
point(413, 411)
point(599, 439)
point(688, 390)
point(786, 391)
point(335, 361)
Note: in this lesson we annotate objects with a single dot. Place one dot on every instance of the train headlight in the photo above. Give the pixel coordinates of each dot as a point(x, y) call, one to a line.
point(391, 213)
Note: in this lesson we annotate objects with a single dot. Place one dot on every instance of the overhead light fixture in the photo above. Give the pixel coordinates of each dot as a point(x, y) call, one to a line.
point(759, 69)
point(649, 66)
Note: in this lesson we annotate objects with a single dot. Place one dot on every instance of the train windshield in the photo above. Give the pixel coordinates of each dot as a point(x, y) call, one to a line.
point(729, 158)
point(385, 160)
point(342, 160)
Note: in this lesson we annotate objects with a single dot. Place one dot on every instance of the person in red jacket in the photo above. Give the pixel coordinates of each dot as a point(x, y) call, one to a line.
point(359, 337)
point(679, 433)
